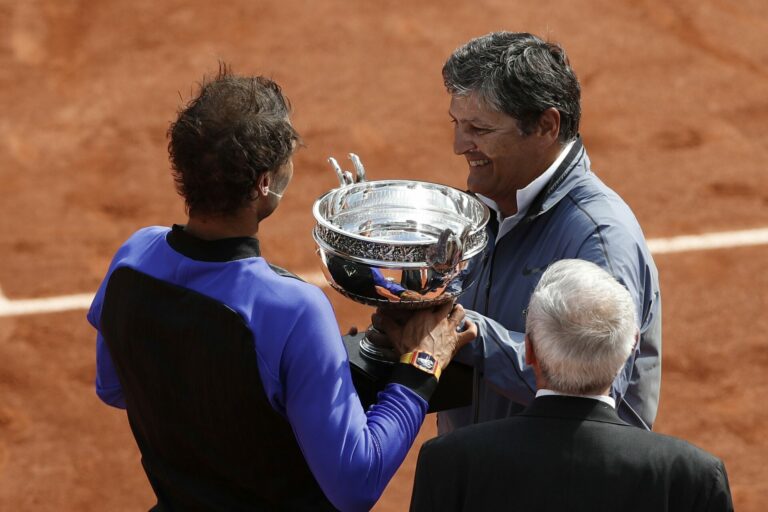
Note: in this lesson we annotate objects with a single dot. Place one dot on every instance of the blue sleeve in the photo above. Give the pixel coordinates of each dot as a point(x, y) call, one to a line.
point(493, 352)
point(352, 454)
point(108, 387)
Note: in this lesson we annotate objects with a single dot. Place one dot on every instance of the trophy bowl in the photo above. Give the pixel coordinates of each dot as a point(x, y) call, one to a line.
point(397, 243)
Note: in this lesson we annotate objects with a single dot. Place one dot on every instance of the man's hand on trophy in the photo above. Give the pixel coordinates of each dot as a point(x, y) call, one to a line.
point(434, 330)
point(378, 334)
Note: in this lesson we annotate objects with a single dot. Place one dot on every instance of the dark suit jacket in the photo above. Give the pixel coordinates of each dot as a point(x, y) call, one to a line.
point(566, 454)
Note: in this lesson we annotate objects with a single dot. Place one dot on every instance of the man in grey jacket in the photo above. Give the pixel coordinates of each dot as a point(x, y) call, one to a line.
point(515, 104)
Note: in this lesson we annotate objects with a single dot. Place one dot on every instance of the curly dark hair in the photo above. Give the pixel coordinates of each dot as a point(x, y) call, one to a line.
point(234, 130)
point(519, 74)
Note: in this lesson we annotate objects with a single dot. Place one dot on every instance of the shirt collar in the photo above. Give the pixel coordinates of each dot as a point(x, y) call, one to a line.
point(603, 398)
point(526, 195)
point(222, 250)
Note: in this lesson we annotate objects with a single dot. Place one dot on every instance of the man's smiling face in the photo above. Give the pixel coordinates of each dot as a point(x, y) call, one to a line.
point(501, 159)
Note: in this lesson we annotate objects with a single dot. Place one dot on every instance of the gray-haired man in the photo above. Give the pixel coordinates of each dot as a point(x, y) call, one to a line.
point(569, 450)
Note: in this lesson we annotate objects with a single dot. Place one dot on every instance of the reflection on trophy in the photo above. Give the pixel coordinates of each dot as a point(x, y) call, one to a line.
point(396, 243)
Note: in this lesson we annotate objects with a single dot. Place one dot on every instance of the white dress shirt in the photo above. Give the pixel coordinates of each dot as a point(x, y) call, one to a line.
point(603, 398)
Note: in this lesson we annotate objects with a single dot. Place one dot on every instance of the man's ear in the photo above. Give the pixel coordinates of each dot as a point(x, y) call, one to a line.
point(530, 354)
point(262, 184)
point(548, 126)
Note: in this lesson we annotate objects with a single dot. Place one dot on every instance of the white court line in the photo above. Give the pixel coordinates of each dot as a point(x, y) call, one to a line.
point(722, 240)
point(47, 305)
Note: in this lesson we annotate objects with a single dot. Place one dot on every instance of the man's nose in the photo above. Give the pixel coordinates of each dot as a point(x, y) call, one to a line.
point(461, 142)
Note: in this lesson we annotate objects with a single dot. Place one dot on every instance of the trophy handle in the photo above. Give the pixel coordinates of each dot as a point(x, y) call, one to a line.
point(346, 178)
point(446, 253)
point(358, 167)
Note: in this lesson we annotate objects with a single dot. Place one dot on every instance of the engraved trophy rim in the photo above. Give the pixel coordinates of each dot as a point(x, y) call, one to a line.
point(392, 253)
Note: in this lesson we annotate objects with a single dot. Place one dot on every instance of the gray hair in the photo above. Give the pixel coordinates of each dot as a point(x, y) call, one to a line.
point(518, 74)
point(582, 325)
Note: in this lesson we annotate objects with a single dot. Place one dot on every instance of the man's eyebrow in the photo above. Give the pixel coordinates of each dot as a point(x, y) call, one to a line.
point(474, 120)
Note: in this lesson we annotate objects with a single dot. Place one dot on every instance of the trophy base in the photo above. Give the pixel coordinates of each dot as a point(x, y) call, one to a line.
point(376, 353)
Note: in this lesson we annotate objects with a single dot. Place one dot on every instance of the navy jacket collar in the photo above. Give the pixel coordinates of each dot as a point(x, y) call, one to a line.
point(563, 180)
point(571, 407)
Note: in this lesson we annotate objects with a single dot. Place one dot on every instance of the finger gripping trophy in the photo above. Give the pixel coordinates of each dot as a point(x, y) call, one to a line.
point(396, 243)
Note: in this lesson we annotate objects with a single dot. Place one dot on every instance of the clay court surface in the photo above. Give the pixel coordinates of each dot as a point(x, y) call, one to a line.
point(675, 109)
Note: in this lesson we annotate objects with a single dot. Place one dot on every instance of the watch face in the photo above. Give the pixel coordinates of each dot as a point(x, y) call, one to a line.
point(426, 362)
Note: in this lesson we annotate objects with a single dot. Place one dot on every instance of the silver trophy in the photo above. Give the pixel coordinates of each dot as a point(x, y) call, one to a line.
point(396, 243)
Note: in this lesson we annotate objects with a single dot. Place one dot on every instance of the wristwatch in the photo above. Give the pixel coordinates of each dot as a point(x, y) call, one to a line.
point(424, 361)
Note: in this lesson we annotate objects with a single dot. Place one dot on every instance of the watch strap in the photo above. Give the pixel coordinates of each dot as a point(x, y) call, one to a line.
point(424, 361)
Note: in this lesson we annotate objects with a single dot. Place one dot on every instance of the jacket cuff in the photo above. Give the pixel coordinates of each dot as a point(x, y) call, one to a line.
point(421, 383)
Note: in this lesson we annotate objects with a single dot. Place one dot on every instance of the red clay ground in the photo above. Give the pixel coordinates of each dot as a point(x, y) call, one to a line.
point(675, 110)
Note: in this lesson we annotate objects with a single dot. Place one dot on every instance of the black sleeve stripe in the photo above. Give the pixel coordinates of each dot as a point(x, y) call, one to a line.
point(284, 273)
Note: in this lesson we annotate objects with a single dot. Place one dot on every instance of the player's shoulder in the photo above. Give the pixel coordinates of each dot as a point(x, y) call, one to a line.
point(151, 231)
point(281, 272)
point(141, 239)
point(147, 233)
point(288, 284)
